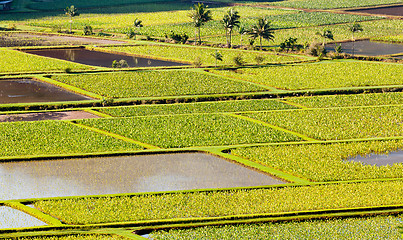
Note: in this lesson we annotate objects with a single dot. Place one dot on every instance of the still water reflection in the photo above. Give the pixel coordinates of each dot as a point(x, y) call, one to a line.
point(127, 174)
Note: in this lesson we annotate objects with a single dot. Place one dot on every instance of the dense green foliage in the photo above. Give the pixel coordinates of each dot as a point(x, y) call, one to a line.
point(54, 137)
point(204, 204)
point(380, 227)
point(317, 76)
point(190, 130)
point(75, 237)
point(371, 99)
point(343, 123)
point(307, 35)
point(155, 83)
point(328, 4)
point(320, 162)
point(205, 55)
point(200, 107)
point(15, 61)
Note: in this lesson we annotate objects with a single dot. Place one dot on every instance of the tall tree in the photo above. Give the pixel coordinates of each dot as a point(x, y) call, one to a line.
point(353, 29)
point(71, 12)
point(230, 20)
point(242, 31)
point(199, 15)
point(262, 30)
point(327, 34)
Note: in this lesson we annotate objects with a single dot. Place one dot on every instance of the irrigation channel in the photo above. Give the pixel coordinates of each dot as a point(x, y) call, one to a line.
point(28, 90)
point(39, 116)
point(11, 218)
point(368, 48)
point(101, 59)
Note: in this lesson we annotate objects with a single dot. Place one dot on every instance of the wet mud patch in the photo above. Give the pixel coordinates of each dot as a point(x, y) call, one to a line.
point(28, 90)
point(368, 48)
point(101, 59)
point(124, 174)
point(392, 10)
point(39, 116)
point(380, 159)
point(11, 218)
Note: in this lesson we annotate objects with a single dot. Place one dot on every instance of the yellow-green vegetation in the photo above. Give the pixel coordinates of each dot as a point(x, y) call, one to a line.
point(118, 22)
point(380, 227)
point(155, 84)
point(393, 39)
point(173, 131)
point(223, 203)
point(329, 74)
point(201, 107)
point(15, 61)
point(202, 54)
point(371, 99)
point(326, 162)
point(376, 28)
point(328, 4)
point(54, 137)
point(343, 123)
point(74, 237)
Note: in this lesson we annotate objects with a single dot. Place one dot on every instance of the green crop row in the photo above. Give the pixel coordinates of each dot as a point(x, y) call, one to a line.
point(15, 61)
point(379, 227)
point(203, 55)
point(155, 84)
point(393, 39)
point(377, 28)
point(329, 74)
point(54, 137)
point(371, 99)
point(73, 237)
point(190, 130)
point(293, 20)
point(328, 162)
point(329, 4)
point(118, 22)
point(344, 123)
point(223, 203)
point(200, 107)
point(37, 5)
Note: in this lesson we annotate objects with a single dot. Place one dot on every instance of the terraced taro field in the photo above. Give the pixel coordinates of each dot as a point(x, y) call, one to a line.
point(238, 139)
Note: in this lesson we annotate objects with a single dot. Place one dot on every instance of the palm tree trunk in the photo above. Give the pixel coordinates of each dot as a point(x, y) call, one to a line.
point(260, 43)
point(71, 22)
point(195, 37)
point(199, 37)
point(230, 38)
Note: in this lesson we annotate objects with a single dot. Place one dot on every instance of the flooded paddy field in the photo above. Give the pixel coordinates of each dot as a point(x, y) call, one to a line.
point(28, 90)
point(380, 159)
point(66, 115)
point(124, 174)
point(19, 39)
point(392, 10)
point(368, 48)
point(101, 59)
point(11, 218)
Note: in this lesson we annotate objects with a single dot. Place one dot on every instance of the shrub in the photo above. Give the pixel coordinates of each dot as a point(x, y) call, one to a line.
point(88, 30)
point(238, 60)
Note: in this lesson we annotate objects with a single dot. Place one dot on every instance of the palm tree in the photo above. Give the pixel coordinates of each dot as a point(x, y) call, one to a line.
point(326, 34)
point(262, 30)
point(355, 28)
point(230, 20)
point(242, 31)
point(71, 12)
point(199, 15)
point(218, 57)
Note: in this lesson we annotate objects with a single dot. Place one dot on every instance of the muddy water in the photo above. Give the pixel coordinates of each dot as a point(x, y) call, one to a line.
point(126, 174)
point(11, 218)
point(393, 10)
point(380, 159)
point(67, 115)
point(102, 59)
point(26, 91)
point(368, 48)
